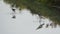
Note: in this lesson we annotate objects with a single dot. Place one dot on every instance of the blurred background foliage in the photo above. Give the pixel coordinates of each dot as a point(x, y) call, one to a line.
point(47, 8)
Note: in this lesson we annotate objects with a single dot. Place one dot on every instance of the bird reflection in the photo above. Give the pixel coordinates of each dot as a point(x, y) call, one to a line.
point(13, 10)
point(47, 25)
point(51, 24)
point(14, 17)
point(55, 25)
point(13, 13)
point(40, 26)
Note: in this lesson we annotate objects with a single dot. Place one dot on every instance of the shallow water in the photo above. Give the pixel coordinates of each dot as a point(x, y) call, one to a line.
point(25, 22)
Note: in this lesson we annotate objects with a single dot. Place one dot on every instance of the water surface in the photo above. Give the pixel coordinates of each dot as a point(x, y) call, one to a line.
point(25, 22)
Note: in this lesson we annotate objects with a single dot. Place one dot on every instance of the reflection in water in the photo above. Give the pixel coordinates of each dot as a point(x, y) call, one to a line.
point(25, 22)
point(14, 16)
point(39, 7)
point(14, 11)
point(40, 26)
point(47, 25)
